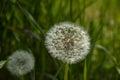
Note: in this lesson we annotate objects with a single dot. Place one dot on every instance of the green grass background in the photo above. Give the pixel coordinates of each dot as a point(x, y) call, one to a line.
point(23, 24)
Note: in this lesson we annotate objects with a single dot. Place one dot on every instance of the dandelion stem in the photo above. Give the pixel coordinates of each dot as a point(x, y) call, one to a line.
point(85, 70)
point(32, 75)
point(66, 72)
point(22, 78)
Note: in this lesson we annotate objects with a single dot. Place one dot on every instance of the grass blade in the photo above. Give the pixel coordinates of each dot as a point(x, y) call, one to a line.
point(32, 19)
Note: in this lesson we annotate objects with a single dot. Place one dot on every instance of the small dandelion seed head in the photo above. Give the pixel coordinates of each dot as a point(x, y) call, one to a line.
point(20, 63)
point(67, 42)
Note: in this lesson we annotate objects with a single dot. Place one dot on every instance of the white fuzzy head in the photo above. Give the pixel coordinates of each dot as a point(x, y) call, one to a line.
point(67, 42)
point(20, 63)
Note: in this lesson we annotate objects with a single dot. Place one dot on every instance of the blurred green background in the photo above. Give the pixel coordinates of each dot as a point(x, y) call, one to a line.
point(23, 24)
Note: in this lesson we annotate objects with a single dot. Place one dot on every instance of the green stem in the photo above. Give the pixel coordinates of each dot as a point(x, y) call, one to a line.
point(22, 78)
point(33, 75)
point(85, 70)
point(66, 72)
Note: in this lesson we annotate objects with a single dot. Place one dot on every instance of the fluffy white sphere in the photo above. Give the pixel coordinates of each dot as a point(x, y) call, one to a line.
point(20, 63)
point(67, 42)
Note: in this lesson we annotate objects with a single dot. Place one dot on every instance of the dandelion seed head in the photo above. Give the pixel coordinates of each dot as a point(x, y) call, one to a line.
point(67, 42)
point(20, 63)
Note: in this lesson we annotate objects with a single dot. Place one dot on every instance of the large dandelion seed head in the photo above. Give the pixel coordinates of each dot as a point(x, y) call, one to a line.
point(67, 42)
point(20, 63)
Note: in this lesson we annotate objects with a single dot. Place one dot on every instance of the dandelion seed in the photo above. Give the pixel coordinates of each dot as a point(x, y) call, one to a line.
point(67, 42)
point(21, 62)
